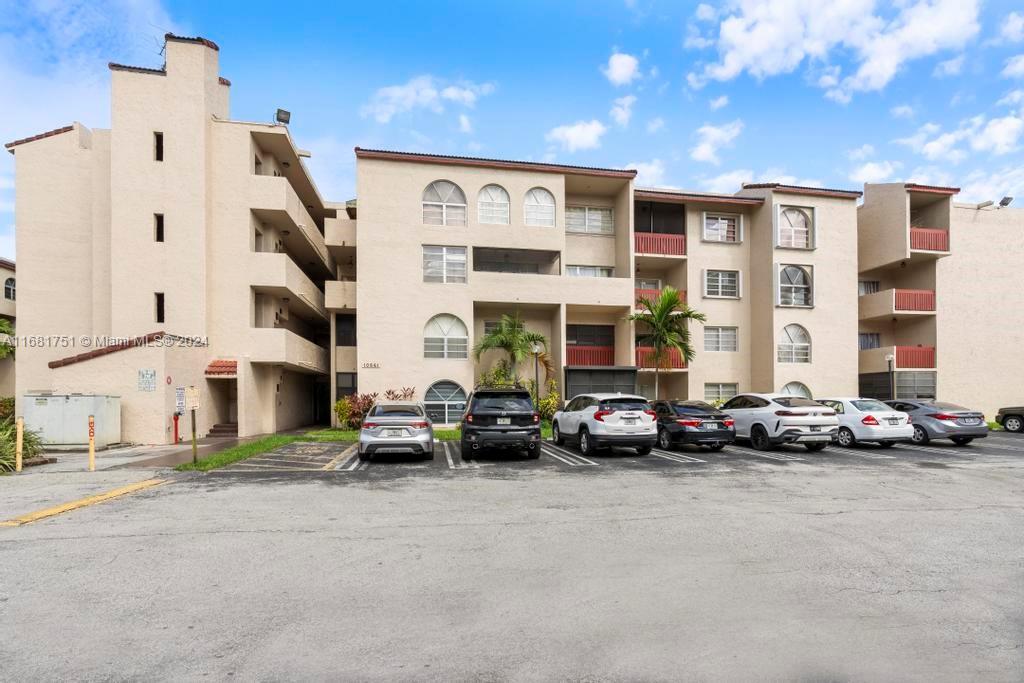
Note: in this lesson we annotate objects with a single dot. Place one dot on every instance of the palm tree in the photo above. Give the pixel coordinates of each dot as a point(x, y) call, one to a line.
point(666, 321)
point(6, 338)
point(512, 337)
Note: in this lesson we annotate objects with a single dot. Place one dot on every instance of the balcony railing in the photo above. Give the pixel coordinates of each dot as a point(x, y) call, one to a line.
point(653, 294)
point(590, 355)
point(915, 300)
point(915, 357)
point(672, 359)
point(660, 243)
point(929, 239)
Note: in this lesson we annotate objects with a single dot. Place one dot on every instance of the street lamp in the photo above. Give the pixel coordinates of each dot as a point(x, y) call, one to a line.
point(890, 359)
point(535, 348)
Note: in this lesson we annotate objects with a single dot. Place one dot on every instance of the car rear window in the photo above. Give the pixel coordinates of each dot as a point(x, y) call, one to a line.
point(797, 402)
point(693, 407)
point(625, 404)
point(509, 401)
point(867, 406)
point(397, 411)
point(948, 406)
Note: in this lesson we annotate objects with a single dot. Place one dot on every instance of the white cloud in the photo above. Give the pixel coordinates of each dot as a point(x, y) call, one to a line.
point(1011, 98)
point(1014, 67)
point(874, 172)
point(465, 125)
point(655, 124)
point(649, 173)
point(902, 111)
point(695, 40)
point(982, 185)
point(421, 92)
point(769, 37)
point(950, 67)
point(1012, 30)
point(861, 153)
point(622, 69)
point(579, 135)
point(931, 175)
point(997, 136)
point(622, 110)
point(718, 102)
point(705, 12)
point(6, 182)
point(732, 181)
point(712, 138)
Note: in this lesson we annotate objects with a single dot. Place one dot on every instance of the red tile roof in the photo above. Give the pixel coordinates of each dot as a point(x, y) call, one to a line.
point(105, 350)
point(937, 189)
point(222, 367)
point(192, 39)
point(7, 263)
point(493, 163)
point(800, 189)
point(652, 193)
point(114, 66)
point(47, 134)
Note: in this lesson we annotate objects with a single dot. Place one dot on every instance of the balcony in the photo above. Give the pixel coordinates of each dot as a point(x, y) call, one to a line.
point(889, 304)
point(278, 274)
point(929, 239)
point(340, 295)
point(274, 200)
point(590, 355)
point(284, 347)
point(672, 359)
point(904, 357)
point(653, 294)
point(660, 244)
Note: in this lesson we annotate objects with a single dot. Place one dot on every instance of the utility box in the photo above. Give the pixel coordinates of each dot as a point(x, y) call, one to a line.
point(62, 420)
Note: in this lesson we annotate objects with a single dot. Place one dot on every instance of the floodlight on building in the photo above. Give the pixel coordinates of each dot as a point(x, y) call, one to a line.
point(283, 116)
point(1005, 202)
point(985, 204)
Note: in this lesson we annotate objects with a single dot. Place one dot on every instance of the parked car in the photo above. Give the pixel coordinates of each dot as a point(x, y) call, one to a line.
point(596, 421)
point(939, 420)
point(1012, 419)
point(396, 427)
point(868, 419)
point(693, 422)
point(501, 418)
point(769, 420)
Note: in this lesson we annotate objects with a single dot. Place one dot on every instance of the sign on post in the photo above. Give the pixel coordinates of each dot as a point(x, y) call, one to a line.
point(179, 400)
point(192, 405)
point(92, 443)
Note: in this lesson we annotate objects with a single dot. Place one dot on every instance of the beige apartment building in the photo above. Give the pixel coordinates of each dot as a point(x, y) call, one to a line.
point(7, 312)
point(189, 249)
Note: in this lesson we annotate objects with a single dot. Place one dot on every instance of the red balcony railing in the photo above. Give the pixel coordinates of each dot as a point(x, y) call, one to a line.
point(915, 356)
point(929, 239)
point(671, 359)
point(915, 300)
point(653, 294)
point(660, 243)
point(590, 355)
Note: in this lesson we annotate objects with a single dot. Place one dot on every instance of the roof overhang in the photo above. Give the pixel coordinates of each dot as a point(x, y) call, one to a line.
point(562, 169)
point(671, 196)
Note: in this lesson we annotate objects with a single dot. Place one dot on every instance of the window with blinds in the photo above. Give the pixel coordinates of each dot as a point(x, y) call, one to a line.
point(588, 271)
point(867, 287)
point(869, 340)
point(721, 339)
point(719, 391)
point(722, 283)
point(444, 264)
point(722, 228)
point(590, 219)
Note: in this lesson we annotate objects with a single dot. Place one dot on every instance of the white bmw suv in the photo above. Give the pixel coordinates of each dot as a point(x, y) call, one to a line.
point(768, 420)
point(601, 420)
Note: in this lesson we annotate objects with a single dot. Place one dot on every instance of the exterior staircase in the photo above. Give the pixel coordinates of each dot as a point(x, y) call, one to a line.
point(224, 429)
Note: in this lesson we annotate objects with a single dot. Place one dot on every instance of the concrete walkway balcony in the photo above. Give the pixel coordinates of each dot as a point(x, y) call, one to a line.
point(283, 347)
point(889, 304)
point(279, 275)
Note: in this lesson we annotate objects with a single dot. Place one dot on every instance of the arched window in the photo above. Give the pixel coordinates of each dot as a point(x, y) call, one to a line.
point(540, 207)
point(9, 288)
point(795, 287)
point(797, 389)
point(493, 204)
point(794, 345)
point(445, 401)
point(444, 204)
point(795, 229)
point(445, 336)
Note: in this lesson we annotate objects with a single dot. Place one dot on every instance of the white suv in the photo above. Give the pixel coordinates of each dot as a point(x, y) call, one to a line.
point(768, 420)
point(601, 420)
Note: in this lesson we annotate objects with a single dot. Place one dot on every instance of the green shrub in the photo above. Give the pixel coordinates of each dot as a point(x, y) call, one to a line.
point(498, 376)
point(31, 445)
point(548, 405)
point(6, 408)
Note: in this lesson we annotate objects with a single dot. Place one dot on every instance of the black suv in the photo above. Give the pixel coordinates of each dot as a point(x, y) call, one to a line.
point(693, 422)
point(501, 418)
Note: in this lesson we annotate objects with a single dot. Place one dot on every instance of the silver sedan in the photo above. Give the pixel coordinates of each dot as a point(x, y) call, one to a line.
point(400, 427)
point(938, 420)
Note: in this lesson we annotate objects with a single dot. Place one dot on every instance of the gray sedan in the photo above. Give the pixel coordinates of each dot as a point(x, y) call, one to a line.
point(938, 420)
point(396, 427)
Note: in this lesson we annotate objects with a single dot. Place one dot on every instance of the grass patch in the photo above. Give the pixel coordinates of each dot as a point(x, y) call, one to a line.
point(240, 452)
point(353, 434)
point(995, 426)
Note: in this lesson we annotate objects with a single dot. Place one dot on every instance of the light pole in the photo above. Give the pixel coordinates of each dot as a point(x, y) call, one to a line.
point(535, 347)
point(890, 359)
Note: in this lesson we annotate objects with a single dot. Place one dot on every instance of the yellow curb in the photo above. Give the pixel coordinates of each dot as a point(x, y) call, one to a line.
point(81, 503)
point(342, 457)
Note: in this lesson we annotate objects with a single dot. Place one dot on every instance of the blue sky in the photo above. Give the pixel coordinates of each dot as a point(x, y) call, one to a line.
point(700, 96)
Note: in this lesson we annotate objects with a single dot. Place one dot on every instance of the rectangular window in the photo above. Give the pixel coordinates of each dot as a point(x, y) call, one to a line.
point(445, 347)
point(867, 287)
point(721, 339)
point(444, 264)
point(588, 271)
point(722, 227)
point(346, 383)
point(647, 283)
point(722, 283)
point(158, 227)
point(490, 326)
point(718, 391)
point(590, 335)
point(158, 146)
point(159, 305)
point(344, 330)
point(590, 219)
point(869, 340)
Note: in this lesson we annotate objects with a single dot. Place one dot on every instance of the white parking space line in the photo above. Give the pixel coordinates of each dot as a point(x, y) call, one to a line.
point(567, 457)
point(350, 464)
point(950, 451)
point(448, 455)
point(870, 455)
point(677, 457)
point(985, 443)
point(781, 457)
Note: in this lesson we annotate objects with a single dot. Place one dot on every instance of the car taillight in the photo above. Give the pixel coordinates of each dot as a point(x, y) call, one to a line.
point(943, 416)
point(536, 418)
point(689, 422)
point(602, 414)
point(870, 420)
point(370, 425)
point(829, 413)
point(729, 423)
point(787, 413)
point(419, 425)
point(469, 419)
point(651, 413)
point(910, 420)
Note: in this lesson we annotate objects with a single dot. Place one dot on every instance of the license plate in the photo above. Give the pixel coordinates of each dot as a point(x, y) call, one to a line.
point(629, 420)
point(504, 420)
point(971, 420)
point(815, 429)
point(393, 432)
point(710, 425)
point(894, 420)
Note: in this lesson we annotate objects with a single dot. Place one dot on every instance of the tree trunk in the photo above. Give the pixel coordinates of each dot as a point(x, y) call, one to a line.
point(656, 373)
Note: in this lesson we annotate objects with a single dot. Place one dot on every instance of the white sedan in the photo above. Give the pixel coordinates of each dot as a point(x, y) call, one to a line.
point(867, 419)
point(768, 420)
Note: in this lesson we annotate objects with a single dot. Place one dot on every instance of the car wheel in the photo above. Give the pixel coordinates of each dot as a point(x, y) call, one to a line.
point(920, 435)
point(556, 435)
point(1013, 423)
point(962, 440)
point(845, 437)
point(586, 447)
point(533, 453)
point(716, 447)
point(364, 456)
point(643, 450)
point(816, 446)
point(886, 444)
point(428, 454)
point(759, 439)
point(664, 440)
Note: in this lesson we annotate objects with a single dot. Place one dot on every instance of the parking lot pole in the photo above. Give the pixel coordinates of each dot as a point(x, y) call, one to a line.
point(19, 441)
point(195, 450)
point(92, 443)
